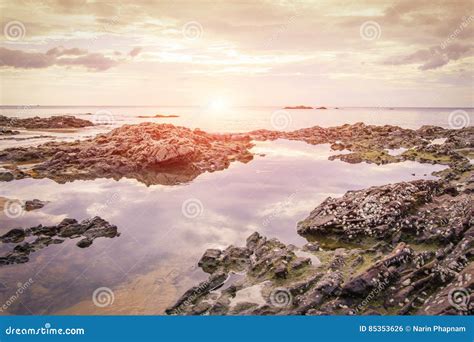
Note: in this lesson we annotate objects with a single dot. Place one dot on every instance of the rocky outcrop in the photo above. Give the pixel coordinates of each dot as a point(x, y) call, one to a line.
point(377, 211)
point(60, 121)
point(372, 144)
point(404, 248)
point(150, 153)
point(158, 116)
point(87, 230)
point(6, 131)
point(298, 107)
point(166, 154)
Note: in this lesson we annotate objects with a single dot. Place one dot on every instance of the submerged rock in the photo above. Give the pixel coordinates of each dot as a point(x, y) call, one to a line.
point(34, 204)
point(90, 230)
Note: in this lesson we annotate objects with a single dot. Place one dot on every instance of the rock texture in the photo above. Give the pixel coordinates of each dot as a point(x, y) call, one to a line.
point(60, 121)
point(151, 153)
point(34, 204)
point(167, 154)
point(404, 248)
point(43, 236)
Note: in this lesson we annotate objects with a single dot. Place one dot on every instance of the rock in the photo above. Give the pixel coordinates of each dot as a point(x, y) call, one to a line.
point(298, 107)
point(151, 153)
point(90, 230)
point(6, 131)
point(6, 176)
point(210, 260)
point(393, 271)
point(456, 298)
point(380, 272)
point(281, 271)
point(158, 116)
point(195, 293)
point(34, 204)
point(311, 247)
point(376, 211)
point(86, 242)
point(13, 236)
point(62, 121)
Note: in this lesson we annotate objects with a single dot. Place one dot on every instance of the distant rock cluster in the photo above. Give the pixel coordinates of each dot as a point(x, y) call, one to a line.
point(60, 121)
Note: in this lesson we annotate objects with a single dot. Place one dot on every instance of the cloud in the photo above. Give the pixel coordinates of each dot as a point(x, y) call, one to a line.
point(434, 57)
point(35, 60)
point(61, 51)
point(135, 51)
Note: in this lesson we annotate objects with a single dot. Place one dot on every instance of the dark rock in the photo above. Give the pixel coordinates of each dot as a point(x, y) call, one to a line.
point(90, 230)
point(62, 121)
point(34, 204)
point(298, 107)
point(210, 260)
point(13, 236)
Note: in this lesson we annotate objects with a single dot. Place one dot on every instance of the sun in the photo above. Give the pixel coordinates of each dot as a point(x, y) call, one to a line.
point(219, 103)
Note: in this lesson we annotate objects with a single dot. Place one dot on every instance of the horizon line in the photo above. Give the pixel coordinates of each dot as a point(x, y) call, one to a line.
point(240, 106)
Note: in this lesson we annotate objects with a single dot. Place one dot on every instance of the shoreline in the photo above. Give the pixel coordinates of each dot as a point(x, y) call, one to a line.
point(362, 143)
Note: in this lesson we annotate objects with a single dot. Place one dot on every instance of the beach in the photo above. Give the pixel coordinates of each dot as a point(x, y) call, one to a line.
point(165, 227)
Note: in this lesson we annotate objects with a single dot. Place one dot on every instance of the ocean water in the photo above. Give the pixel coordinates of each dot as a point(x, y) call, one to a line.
point(241, 119)
point(165, 229)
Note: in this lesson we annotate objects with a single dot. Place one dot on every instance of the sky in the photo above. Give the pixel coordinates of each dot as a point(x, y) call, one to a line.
point(242, 53)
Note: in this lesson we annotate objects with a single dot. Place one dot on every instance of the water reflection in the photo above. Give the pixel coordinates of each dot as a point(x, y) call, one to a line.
point(269, 195)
